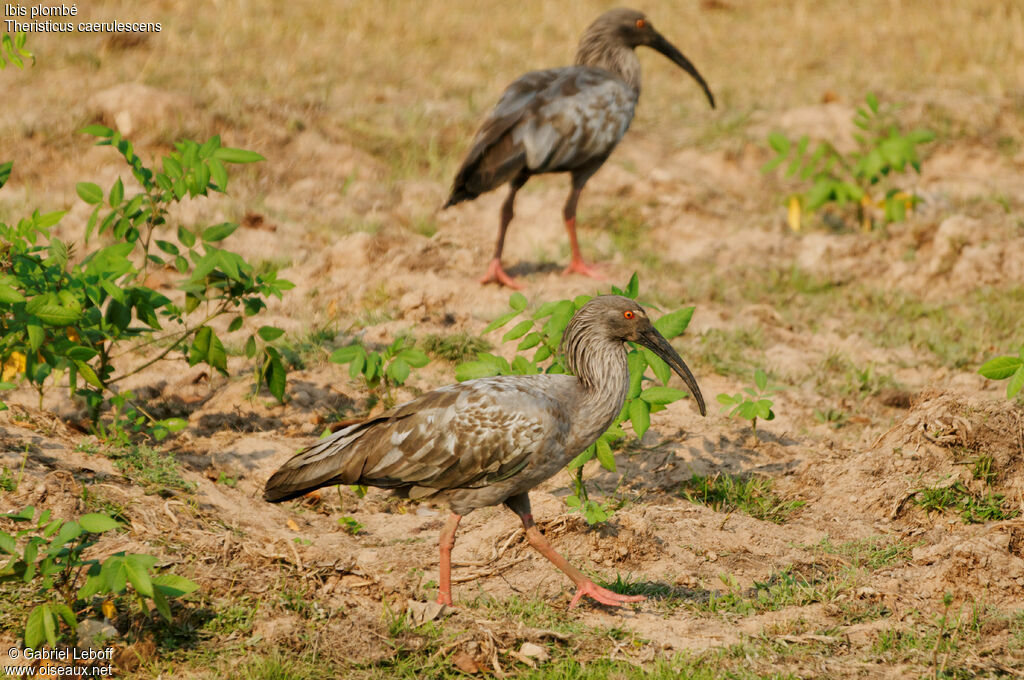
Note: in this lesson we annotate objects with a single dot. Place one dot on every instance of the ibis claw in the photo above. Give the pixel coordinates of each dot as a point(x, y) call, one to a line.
point(602, 595)
point(496, 274)
point(581, 267)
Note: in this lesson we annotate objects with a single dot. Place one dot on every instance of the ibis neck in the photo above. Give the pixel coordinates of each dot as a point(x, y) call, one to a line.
point(597, 50)
point(601, 368)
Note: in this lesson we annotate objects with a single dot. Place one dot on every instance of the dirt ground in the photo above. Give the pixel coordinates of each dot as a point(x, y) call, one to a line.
point(363, 111)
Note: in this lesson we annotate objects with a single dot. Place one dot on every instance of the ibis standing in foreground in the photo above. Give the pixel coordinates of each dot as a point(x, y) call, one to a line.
point(491, 440)
point(563, 120)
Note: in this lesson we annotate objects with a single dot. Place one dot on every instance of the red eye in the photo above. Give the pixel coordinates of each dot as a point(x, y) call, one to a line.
point(628, 313)
point(640, 23)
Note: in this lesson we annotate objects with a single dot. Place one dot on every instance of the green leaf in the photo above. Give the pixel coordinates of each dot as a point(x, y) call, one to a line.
point(658, 365)
point(604, 454)
point(5, 172)
point(517, 302)
point(229, 155)
point(10, 295)
point(530, 341)
point(779, 142)
point(67, 614)
point(471, 370)
point(167, 247)
point(97, 523)
point(116, 193)
point(160, 600)
point(872, 101)
point(760, 379)
point(36, 335)
point(662, 395)
point(69, 531)
point(96, 131)
point(270, 333)
point(414, 357)
point(86, 371)
point(219, 232)
point(673, 324)
point(235, 324)
point(35, 628)
point(7, 543)
point(518, 331)
point(135, 569)
point(1001, 368)
point(57, 315)
point(187, 238)
point(501, 321)
point(345, 355)
point(250, 347)
point(89, 192)
point(639, 416)
point(1016, 383)
point(637, 364)
point(218, 173)
point(399, 371)
point(173, 585)
point(276, 377)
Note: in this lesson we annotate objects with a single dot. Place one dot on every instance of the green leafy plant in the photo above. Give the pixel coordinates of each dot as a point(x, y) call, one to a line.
point(85, 317)
point(350, 524)
point(541, 332)
point(12, 50)
point(49, 554)
point(381, 369)
point(1001, 368)
point(864, 178)
point(753, 402)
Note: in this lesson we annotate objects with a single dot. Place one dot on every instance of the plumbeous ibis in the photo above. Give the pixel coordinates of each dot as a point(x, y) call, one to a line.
point(491, 440)
point(563, 120)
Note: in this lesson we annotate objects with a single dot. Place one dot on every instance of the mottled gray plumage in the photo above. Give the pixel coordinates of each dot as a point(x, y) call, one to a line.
point(564, 120)
point(489, 441)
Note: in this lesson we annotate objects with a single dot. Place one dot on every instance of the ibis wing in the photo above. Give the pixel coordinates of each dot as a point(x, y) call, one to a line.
point(558, 119)
point(462, 436)
point(494, 159)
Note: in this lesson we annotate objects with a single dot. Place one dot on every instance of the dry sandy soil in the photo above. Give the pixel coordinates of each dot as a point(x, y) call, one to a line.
point(363, 111)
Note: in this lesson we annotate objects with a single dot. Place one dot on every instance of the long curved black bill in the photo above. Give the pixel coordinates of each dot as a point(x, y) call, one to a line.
point(656, 342)
point(670, 51)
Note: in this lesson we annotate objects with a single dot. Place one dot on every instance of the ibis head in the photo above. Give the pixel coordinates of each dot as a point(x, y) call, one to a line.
point(619, 319)
point(610, 40)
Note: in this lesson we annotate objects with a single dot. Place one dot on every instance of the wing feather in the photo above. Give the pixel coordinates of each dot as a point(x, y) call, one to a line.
point(546, 121)
point(462, 436)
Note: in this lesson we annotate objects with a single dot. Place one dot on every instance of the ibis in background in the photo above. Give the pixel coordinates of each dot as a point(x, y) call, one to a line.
point(563, 120)
point(489, 441)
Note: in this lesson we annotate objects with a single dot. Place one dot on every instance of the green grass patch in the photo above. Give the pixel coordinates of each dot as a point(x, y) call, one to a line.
point(156, 470)
point(751, 495)
point(973, 508)
point(874, 552)
point(454, 347)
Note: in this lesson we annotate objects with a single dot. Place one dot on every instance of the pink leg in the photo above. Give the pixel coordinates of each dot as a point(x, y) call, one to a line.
point(496, 274)
point(447, 542)
point(577, 265)
point(584, 586)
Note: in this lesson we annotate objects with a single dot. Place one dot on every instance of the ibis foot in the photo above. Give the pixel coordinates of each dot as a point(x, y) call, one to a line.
point(496, 274)
point(602, 595)
point(581, 267)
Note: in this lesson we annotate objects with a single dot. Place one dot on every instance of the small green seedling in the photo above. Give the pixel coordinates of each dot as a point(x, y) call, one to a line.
point(1011, 367)
point(350, 524)
point(382, 368)
point(49, 554)
point(753, 406)
point(863, 178)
